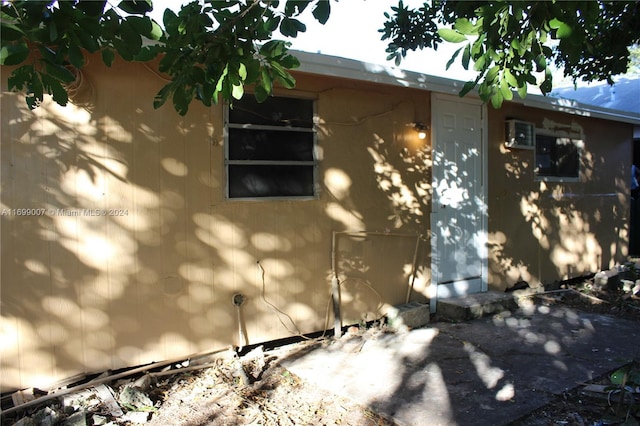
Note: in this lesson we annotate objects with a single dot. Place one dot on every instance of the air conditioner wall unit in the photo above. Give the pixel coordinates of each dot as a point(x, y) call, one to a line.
point(519, 134)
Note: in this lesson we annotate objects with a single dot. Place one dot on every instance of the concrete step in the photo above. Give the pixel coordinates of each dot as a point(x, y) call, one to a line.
point(476, 305)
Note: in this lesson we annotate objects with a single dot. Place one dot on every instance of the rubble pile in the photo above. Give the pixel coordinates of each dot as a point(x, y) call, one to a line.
point(111, 399)
point(220, 389)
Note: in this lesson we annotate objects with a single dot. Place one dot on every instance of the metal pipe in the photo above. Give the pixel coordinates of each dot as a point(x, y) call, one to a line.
point(414, 269)
point(335, 290)
point(335, 283)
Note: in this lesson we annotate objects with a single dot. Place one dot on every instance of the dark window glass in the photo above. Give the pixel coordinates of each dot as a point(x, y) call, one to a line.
point(271, 162)
point(274, 111)
point(557, 157)
point(249, 181)
point(267, 145)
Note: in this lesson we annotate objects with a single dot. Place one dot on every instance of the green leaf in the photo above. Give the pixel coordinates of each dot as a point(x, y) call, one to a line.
point(10, 32)
point(492, 73)
point(162, 96)
point(522, 91)
point(136, 7)
point(322, 11)
point(53, 31)
point(261, 94)
point(147, 53)
point(253, 70)
point(295, 7)
point(480, 63)
point(146, 27)
point(541, 62)
point(617, 377)
point(56, 89)
point(47, 53)
point(237, 91)
point(290, 62)
point(220, 83)
point(464, 26)
point(452, 36)
point(453, 58)
point(273, 48)
point(562, 29)
point(466, 56)
point(156, 32)
point(108, 56)
point(283, 76)
point(87, 40)
point(59, 72)
point(267, 82)
point(75, 56)
point(496, 100)
point(291, 27)
point(181, 100)
point(271, 24)
point(170, 21)
point(242, 72)
point(14, 54)
point(505, 90)
point(468, 86)
point(513, 82)
point(92, 7)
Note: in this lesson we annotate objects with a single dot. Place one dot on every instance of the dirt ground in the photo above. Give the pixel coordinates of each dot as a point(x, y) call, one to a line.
point(254, 389)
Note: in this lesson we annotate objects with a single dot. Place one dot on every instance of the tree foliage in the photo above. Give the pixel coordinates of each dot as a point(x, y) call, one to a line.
point(209, 49)
point(213, 49)
point(513, 44)
point(47, 40)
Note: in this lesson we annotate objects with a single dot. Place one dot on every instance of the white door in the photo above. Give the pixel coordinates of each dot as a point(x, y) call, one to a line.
point(458, 218)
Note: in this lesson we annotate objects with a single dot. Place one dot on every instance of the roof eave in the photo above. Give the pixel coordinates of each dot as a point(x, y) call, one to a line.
point(315, 63)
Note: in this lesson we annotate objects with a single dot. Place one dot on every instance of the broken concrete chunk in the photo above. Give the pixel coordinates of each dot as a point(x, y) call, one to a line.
point(26, 421)
point(410, 315)
point(76, 419)
point(254, 362)
point(627, 285)
point(142, 383)
point(47, 417)
point(106, 395)
point(82, 399)
point(133, 397)
point(137, 417)
point(609, 279)
point(99, 420)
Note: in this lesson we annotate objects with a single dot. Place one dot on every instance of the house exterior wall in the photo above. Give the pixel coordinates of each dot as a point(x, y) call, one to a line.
point(119, 248)
point(543, 232)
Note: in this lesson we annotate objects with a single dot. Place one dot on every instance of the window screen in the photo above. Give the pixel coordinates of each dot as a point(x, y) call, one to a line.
point(270, 149)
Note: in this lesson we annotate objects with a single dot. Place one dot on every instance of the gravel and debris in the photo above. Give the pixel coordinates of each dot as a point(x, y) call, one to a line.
point(225, 389)
point(255, 389)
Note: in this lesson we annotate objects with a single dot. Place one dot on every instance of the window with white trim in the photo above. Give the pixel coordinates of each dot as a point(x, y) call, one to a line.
point(557, 157)
point(270, 149)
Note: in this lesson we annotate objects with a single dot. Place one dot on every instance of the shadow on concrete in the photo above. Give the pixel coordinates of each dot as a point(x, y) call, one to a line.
point(493, 370)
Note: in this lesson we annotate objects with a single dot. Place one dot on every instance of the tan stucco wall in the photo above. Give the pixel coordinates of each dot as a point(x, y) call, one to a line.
point(154, 278)
point(547, 231)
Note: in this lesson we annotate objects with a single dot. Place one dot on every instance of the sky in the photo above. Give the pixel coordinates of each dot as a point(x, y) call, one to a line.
point(352, 32)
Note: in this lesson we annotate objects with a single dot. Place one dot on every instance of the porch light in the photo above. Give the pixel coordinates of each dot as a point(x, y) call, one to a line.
point(421, 128)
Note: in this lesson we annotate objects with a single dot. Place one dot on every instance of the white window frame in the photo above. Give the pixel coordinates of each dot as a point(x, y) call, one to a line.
point(579, 142)
point(311, 163)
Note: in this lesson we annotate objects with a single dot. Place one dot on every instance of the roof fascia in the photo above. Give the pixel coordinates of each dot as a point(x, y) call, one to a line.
point(315, 63)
